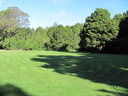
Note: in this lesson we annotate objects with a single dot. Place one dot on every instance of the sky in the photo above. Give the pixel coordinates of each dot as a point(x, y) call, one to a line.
point(66, 12)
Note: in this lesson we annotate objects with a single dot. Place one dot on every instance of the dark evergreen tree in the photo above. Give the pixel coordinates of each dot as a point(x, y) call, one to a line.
point(119, 45)
point(38, 40)
point(98, 29)
point(118, 18)
point(77, 28)
point(64, 38)
point(123, 27)
point(122, 39)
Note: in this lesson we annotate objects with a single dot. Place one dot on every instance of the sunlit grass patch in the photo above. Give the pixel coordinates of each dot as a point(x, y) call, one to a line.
point(49, 73)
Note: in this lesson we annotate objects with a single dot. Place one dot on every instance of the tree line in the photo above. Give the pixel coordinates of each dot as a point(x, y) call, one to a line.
point(99, 33)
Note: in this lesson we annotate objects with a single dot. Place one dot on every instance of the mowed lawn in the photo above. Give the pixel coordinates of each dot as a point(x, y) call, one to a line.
point(49, 73)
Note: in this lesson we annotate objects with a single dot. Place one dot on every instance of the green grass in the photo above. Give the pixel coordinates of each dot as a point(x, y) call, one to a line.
point(48, 73)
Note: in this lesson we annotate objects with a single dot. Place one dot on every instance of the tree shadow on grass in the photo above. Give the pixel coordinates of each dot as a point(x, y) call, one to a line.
point(11, 90)
point(102, 68)
point(114, 93)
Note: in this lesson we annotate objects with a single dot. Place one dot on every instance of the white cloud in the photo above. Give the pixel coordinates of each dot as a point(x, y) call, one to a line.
point(62, 14)
point(1, 2)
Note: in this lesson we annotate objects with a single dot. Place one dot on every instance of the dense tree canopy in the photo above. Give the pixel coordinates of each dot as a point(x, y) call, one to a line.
point(99, 33)
point(64, 38)
point(18, 41)
point(119, 45)
point(118, 18)
point(124, 26)
point(27, 39)
point(98, 29)
point(11, 20)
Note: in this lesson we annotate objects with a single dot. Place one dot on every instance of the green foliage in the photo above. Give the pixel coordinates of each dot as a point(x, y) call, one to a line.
point(18, 41)
point(77, 28)
point(57, 37)
point(98, 29)
point(27, 39)
point(123, 27)
point(123, 34)
point(64, 38)
point(98, 34)
point(11, 20)
point(37, 40)
point(118, 18)
point(119, 45)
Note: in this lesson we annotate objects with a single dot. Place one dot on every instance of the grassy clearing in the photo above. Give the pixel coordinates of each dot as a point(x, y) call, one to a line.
point(42, 73)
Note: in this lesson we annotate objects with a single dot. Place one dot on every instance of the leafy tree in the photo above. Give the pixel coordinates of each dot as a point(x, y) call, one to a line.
point(119, 45)
point(18, 41)
point(27, 39)
point(64, 38)
point(118, 18)
point(11, 20)
point(123, 27)
point(98, 29)
point(38, 40)
point(122, 38)
point(72, 38)
point(77, 28)
point(55, 24)
point(57, 37)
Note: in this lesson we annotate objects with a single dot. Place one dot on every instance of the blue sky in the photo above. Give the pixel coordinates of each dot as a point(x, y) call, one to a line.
point(67, 12)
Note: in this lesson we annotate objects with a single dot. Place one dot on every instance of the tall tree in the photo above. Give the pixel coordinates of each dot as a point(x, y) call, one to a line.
point(122, 38)
point(118, 18)
point(18, 41)
point(58, 38)
point(98, 29)
point(123, 27)
point(76, 29)
point(63, 38)
point(119, 45)
point(11, 20)
point(38, 40)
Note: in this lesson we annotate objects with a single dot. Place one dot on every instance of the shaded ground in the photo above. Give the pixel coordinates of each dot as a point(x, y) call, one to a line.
point(114, 93)
point(102, 68)
point(11, 90)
